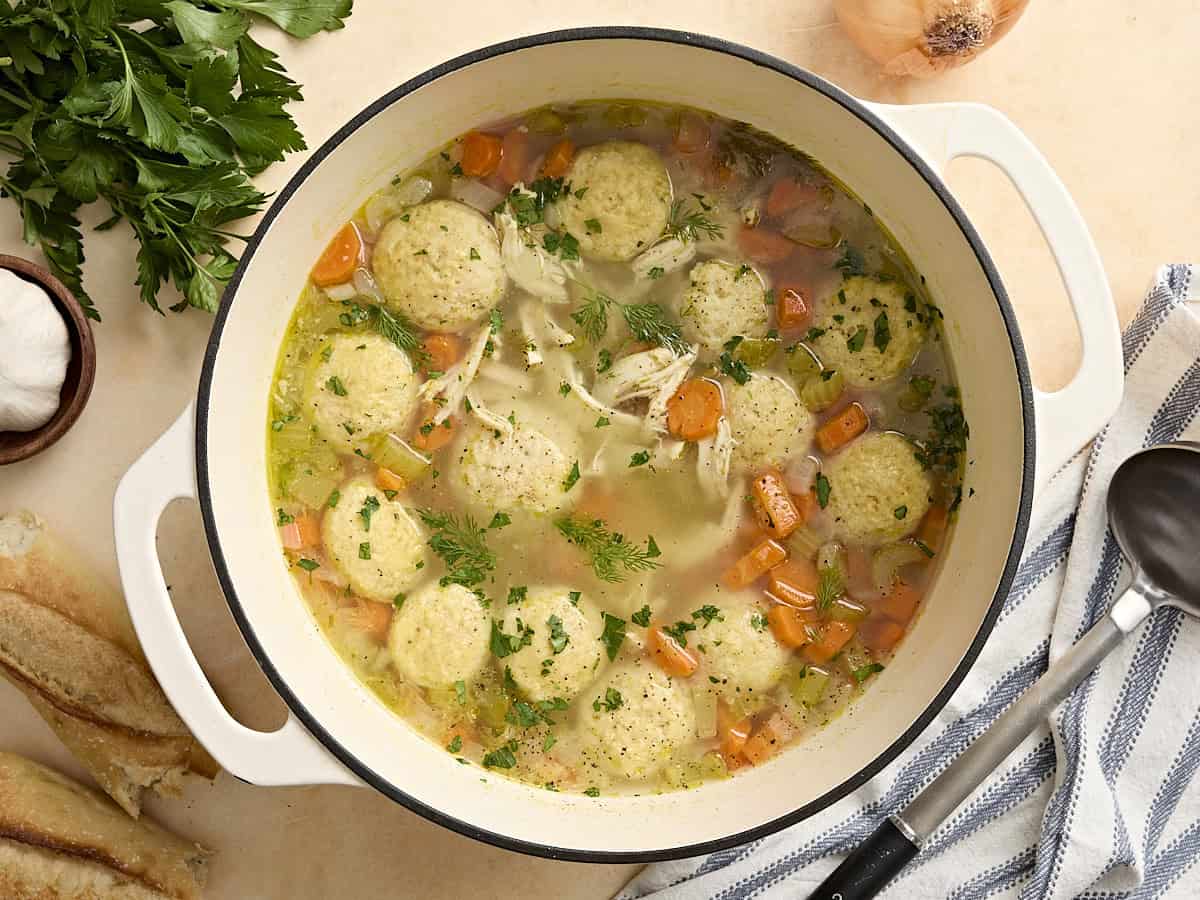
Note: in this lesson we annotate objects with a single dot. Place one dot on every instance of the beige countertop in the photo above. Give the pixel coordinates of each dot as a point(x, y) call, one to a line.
point(1109, 91)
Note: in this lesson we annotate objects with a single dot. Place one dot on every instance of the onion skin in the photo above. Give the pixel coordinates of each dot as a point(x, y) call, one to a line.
point(923, 38)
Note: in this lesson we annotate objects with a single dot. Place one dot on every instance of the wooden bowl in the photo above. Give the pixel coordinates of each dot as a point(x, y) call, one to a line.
point(81, 370)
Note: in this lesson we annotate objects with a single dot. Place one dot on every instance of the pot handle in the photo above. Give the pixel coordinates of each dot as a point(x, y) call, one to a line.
point(289, 756)
point(1069, 418)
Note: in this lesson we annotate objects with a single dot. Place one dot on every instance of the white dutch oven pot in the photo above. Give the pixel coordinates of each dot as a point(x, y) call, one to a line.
point(338, 732)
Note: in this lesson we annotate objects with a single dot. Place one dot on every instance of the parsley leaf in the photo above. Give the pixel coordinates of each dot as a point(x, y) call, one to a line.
point(572, 477)
point(642, 616)
point(730, 364)
point(823, 490)
point(613, 635)
point(558, 638)
point(503, 644)
point(864, 672)
point(611, 701)
point(679, 630)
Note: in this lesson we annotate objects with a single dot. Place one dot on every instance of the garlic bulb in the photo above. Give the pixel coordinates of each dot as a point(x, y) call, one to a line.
point(36, 351)
point(924, 37)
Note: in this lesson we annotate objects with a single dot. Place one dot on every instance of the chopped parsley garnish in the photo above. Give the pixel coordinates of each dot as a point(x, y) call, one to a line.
point(284, 518)
point(759, 622)
point(503, 644)
point(474, 254)
point(398, 601)
point(308, 564)
point(604, 361)
point(504, 757)
point(593, 226)
point(851, 262)
point(460, 692)
point(731, 365)
point(814, 333)
point(496, 320)
point(499, 520)
point(335, 384)
point(856, 341)
point(564, 389)
point(613, 635)
point(558, 638)
point(679, 630)
point(572, 477)
point(642, 616)
point(369, 508)
point(609, 551)
point(364, 550)
point(639, 459)
point(883, 332)
point(462, 546)
point(332, 502)
point(517, 594)
point(947, 440)
point(656, 272)
point(743, 269)
point(689, 224)
point(612, 701)
point(592, 792)
point(823, 488)
point(455, 745)
point(549, 741)
point(574, 596)
point(863, 673)
point(709, 614)
point(602, 422)
point(924, 548)
point(900, 512)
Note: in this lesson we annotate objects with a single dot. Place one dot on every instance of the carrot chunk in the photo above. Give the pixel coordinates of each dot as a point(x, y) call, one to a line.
point(514, 156)
point(764, 557)
point(795, 583)
point(833, 637)
point(694, 410)
point(339, 258)
point(806, 504)
point(932, 530)
point(558, 159)
point(432, 437)
point(763, 245)
point(732, 733)
point(842, 428)
point(387, 480)
point(776, 512)
point(691, 133)
point(481, 154)
point(443, 351)
point(670, 657)
point(880, 634)
point(900, 603)
point(310, 529)
point(771, 737)
point(788, 625)
point(371, 618)
point(792, 309)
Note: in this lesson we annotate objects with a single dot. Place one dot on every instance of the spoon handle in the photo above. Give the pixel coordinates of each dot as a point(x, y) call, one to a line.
point(874, 863)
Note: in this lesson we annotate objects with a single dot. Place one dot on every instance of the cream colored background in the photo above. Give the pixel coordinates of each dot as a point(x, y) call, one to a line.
point(1109, 91)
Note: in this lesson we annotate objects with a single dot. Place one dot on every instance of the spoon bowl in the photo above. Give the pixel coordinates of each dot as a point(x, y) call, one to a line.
point(1154, 512)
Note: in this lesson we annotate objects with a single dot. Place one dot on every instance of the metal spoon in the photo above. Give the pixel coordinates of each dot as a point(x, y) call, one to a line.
point(1154, 512)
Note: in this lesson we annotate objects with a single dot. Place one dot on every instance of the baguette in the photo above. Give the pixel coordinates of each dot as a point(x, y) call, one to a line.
point(62, 841)
point(67, 643)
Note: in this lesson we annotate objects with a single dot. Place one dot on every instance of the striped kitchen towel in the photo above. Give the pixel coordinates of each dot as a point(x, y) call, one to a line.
point(1101, 803)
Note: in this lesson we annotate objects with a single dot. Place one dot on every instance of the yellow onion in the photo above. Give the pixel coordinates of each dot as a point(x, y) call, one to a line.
point(924, 37)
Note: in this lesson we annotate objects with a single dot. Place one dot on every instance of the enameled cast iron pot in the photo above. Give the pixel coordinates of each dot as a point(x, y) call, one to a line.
point(338, 732)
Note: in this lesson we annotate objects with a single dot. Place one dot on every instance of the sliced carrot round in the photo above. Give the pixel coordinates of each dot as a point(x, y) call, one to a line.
point(670, 657)
point(764, 246)
point(443, 351)
point(481, 154)
point(340, 257)
point(694, 410)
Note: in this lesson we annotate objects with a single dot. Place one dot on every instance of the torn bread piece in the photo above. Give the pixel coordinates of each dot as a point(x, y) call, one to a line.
point(66, 642)
point(62, 841)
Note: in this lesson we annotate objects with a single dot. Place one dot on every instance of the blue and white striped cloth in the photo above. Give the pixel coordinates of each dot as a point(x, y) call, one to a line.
point(1102, 802)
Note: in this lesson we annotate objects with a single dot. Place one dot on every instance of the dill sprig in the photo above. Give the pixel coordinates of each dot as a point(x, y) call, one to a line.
point(401, 332)
point(647, 322)
point(830, 586)
point(609, 550)
point(688, 224)
point(462, 546)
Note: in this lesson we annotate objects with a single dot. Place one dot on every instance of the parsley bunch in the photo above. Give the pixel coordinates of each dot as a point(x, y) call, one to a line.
point(162, 109)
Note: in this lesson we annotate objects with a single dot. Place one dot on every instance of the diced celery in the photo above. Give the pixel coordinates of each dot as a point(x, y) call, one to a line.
point(802, 363)
point(395, 453)
point(625, 115)
point(756, 352)
point(546, 121)
point(846, 610)
point(802, 543)
point(889, 559)
point(808, 686)
point(706, 711)
point(293, 439)
point(310, 478)
point(712, 765)
point(490, 703)
point(818, 235)
point(856, 656)
point(822, 391)
point(674, 775)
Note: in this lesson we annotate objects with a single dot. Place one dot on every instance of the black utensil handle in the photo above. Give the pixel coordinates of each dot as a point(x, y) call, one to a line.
point(869, 868)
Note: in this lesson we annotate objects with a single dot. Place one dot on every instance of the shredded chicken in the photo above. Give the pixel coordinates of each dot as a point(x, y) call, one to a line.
point(655, 374)
point(614, 416)
point(528, 316)
point(487, 417)
point(713, 458)
point(530, 265)
point(449, 388)
point(667, 451)
point(666, 256)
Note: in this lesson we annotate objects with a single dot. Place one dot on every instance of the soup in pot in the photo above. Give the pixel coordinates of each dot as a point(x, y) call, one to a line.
point(614, 446)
